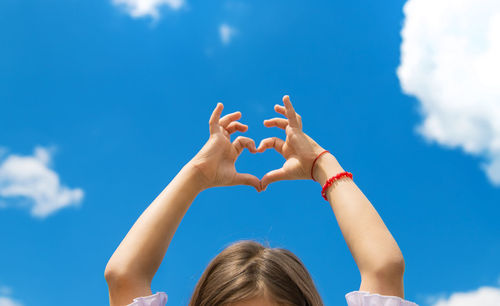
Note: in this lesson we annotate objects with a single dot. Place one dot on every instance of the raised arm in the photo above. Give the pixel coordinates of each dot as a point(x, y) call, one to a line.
point(375, 251)
point(133, 265)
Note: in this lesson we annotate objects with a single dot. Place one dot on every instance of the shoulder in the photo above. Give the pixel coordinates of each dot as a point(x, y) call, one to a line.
point(363, 298)
point(157, 299)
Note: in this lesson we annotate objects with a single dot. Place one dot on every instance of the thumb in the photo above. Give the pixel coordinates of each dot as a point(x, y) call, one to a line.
point(246, 179)
point(273, 176)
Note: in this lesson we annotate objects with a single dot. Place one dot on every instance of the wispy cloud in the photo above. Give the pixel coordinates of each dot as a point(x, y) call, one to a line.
point(145, 8)
point(4, 290)
point(29, 177)
point(226, 33)
point(484, 296)
point(450, 63)
point(5, 300)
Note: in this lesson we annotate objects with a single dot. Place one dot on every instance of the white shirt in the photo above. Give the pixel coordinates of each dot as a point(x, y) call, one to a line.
point(355, 298)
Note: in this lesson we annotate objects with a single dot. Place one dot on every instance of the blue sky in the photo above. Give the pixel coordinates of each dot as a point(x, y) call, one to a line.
point(121, 103)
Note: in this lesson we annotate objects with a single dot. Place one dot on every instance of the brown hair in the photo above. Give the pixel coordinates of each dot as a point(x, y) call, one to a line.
point(247, 269)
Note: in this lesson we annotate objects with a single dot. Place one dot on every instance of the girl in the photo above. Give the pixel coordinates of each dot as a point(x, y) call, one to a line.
point(248, 273)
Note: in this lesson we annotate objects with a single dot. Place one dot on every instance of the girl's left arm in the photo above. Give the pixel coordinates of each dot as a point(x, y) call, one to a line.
point(131, 269)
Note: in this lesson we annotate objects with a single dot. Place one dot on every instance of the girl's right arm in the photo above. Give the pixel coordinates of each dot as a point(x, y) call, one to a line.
point(375, 251)
point(131, 269)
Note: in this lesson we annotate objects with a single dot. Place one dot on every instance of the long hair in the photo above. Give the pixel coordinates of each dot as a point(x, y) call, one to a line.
point(247, 269)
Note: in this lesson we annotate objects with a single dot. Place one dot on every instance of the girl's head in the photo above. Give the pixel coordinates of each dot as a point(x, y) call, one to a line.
point(247, 273)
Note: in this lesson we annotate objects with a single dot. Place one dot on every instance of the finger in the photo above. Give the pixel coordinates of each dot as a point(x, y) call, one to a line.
point(276, 122)
point(214, 119)
point(246, 179)
point(290, 113)
point(236, 126)
point(272, 142)
point(224, 121)
point(273, 176)
point(244, 142)
point(280, 109)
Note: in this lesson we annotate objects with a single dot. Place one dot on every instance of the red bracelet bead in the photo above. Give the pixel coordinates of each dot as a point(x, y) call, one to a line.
point(314, 162)
point(330, 181)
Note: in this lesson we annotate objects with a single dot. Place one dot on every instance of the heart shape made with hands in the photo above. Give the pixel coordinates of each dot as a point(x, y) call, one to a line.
point(217, 158)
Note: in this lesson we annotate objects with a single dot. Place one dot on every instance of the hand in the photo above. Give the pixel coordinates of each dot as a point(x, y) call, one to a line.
point(215, 161)
point(298, 149)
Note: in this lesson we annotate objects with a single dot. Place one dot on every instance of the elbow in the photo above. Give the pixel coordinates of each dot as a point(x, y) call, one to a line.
point(385, 276)
point(390, 268)
point(116, 276)
point(112, 275)
point(120, 276)
point(109, 274)
point(394, 267)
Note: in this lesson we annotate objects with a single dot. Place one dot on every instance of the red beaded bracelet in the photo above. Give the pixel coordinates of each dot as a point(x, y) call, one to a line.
point(330, 181)
point(314, 162)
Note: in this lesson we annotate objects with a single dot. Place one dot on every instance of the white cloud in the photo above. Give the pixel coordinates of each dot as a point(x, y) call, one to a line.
point(144, 8)
point(4, 290)
point(5, 301)
point(226, 33)
point(484, 296)
point(30, 177)
point(450, 61)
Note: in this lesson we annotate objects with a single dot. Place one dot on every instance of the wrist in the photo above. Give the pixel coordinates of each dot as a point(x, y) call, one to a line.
point(197, 180)
point(326, 166)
